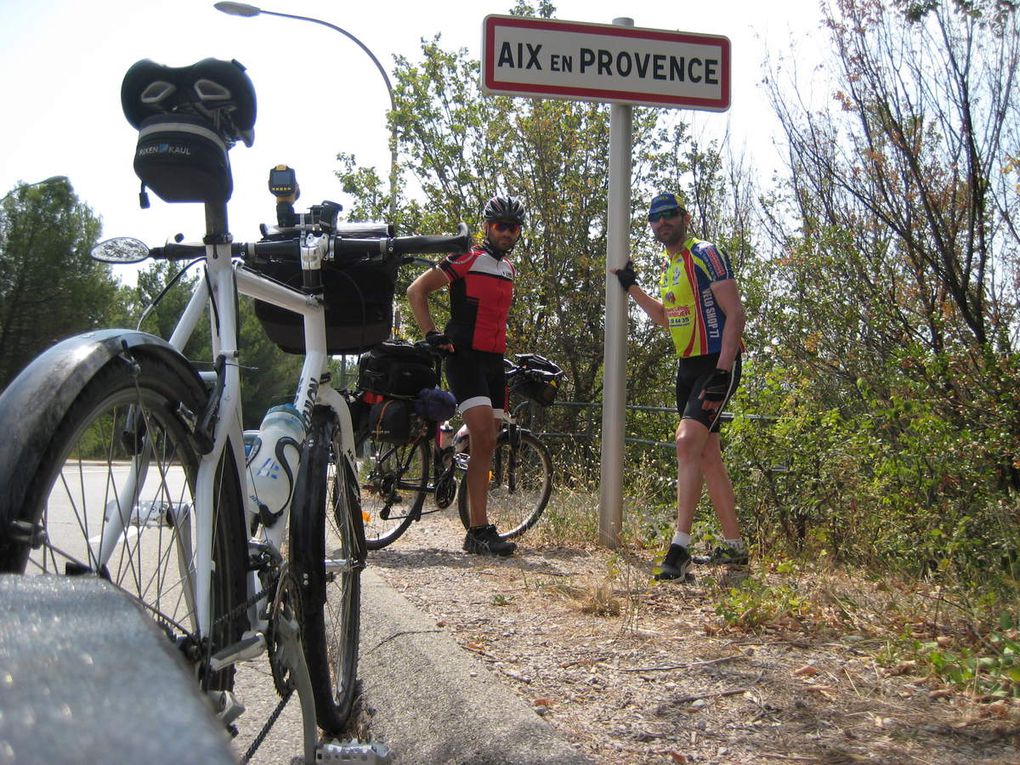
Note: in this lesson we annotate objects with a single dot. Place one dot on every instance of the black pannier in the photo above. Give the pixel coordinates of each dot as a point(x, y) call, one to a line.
point(182, 159)
point(393, 421)
point(358, 298)
point(538, 379)
point(396, 368)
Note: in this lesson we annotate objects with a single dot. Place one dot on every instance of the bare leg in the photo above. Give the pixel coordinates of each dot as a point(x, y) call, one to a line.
point(691, 440)
point(720, 488)
point(482, 430)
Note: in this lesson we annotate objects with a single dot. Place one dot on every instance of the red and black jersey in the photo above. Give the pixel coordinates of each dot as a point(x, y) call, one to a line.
point(481, 290)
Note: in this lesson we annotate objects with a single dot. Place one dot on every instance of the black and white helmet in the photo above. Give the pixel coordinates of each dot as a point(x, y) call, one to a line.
point(504, 208)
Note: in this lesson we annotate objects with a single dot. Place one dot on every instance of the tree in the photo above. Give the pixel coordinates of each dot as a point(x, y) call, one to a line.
point(909, 168)
point(49, 288)
point(269, 375)
point(896, 301)
point(460, 147)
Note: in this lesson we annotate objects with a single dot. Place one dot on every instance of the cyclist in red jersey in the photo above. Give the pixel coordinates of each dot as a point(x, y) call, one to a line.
point(481, 283)
point(700, 307)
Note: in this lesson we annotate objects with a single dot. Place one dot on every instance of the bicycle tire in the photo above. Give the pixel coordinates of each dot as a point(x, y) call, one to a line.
point(125, 415)
point(326, 521)
point(519, 487)
point(394, 481)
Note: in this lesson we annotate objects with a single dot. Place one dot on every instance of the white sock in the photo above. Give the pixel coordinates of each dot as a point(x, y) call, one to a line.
point(737, 544)
point(684, 540)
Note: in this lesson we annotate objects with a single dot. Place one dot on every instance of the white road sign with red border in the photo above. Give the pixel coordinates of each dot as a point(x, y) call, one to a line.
point(545, 58)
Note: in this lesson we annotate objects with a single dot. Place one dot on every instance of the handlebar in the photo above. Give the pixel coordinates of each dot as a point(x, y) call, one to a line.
point(339, 245)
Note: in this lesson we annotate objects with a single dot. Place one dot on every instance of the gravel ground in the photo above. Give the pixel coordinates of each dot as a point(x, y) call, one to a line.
point(633, 671)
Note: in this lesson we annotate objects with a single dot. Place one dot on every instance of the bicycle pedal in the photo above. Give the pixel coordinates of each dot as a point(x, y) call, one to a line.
point(369, 752)
point(250, 646)
point(227, 707)
point(34, 534)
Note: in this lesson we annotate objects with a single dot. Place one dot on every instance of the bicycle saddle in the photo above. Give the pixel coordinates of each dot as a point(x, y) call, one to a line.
point(216, 90)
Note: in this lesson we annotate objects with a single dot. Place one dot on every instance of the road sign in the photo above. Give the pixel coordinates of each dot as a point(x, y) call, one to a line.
point(544, 58)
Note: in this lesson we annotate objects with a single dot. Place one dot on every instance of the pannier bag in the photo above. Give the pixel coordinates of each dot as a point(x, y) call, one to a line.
point(396, 368)
point(393, 421)
point(357, 297)
point(538, 379)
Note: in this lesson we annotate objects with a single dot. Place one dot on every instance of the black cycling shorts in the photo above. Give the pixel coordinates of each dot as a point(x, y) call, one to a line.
point(691, 375)
point(477, 378)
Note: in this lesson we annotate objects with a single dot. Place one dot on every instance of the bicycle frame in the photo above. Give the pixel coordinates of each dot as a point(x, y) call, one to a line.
point(218, 292)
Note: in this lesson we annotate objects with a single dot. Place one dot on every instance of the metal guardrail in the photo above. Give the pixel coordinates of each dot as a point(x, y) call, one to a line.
point(589, 433)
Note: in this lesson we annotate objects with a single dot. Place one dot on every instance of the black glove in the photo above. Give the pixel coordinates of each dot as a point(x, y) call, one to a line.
point(437, 339)
point(718, 386)
point(627, 276)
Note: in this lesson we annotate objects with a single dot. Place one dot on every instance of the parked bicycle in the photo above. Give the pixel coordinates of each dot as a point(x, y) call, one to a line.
point(520, 478)
point(396, 478)
point(134, 468)
point(398, 471)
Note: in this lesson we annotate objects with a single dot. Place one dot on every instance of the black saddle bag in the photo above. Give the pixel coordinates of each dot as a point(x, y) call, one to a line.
point(183, 159)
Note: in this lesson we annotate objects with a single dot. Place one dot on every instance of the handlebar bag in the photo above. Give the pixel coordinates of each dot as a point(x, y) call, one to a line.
point(182, 158)
point(538, 380)
point(358, 302)
point(397, 368)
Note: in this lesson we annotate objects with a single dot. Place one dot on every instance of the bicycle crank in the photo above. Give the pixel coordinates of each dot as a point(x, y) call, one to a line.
point(287, 657)
point(446, 490)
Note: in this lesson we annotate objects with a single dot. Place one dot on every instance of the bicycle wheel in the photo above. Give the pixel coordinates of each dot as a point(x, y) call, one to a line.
point(393, 480)
point(520, 483)
point(125, 423)
point(327, 555)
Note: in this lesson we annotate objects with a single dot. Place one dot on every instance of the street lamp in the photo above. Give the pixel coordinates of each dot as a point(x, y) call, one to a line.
point(43, 182)
point(245, 10)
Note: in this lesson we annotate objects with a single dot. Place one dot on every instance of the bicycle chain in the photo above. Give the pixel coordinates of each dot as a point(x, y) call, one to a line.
point(285, 692)
point(251, 601)
point(267, 727)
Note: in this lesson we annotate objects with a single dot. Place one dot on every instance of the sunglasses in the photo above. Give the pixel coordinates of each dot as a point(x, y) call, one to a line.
point(664, 215)
point(503, 225)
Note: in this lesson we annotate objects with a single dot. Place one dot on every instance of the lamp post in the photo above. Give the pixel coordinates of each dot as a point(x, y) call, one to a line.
point(43, 182)
point(245, 10)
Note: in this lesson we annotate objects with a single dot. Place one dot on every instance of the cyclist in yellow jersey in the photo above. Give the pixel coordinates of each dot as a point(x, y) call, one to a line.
point(700, 306)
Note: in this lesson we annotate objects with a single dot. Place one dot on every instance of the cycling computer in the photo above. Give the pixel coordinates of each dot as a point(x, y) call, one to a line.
point(283, 183)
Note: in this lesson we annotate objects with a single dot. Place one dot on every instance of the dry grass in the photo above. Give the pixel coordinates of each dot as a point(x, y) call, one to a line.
point(635, 671)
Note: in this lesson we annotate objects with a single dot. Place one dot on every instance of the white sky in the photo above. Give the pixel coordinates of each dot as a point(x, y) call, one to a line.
point(62, 62)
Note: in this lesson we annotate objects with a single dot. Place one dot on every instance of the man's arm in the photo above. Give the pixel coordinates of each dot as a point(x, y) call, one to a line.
point(628, 280)
point(418, 296)
point(727, 297)
point(656, 310)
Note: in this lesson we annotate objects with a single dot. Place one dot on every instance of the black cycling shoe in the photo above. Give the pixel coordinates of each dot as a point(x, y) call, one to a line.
point(724, 555)
point(484, 540)
point(675, 565)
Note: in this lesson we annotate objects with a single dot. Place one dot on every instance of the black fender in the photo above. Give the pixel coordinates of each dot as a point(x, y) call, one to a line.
point(36, 401)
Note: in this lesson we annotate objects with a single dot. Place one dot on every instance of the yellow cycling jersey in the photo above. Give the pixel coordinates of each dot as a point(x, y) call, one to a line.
point(695, 320)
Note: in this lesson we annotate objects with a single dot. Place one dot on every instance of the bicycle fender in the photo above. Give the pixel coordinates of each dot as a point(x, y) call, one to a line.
point(35, 402)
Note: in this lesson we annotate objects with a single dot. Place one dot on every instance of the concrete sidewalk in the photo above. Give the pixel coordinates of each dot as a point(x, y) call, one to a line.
point(432, 702)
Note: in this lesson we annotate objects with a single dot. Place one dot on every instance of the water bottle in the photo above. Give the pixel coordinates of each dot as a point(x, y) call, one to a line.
point(445, 434)
point(273, 461)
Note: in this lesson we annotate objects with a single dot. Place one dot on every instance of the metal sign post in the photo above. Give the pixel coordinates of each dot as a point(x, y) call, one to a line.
point(614, 359)
point(621, 65)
